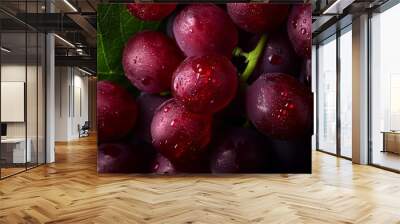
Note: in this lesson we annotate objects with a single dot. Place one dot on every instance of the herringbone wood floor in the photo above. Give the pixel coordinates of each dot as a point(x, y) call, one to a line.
point(70, 191)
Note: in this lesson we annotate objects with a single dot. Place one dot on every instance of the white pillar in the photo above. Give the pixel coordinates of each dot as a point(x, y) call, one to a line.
point(50, 93)
point(360, 90)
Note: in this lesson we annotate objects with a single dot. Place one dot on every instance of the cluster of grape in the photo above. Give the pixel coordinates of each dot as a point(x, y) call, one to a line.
point(219, 87)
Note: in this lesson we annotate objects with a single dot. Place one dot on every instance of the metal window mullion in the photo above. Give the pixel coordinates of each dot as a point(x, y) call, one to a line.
point(338, 94)
point(26, 87)
point(317, 96)
point(369, 79)
point(0, 92)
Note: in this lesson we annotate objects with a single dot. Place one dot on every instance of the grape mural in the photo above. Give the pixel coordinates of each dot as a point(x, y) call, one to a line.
point(204, 88)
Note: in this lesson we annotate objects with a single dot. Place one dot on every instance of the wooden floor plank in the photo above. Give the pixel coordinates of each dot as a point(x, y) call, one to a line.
point(71, 191)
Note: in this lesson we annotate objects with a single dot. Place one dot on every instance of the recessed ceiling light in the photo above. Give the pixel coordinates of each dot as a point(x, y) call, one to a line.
point(70, 5)
point(65, 41)
point(84, 71)
point(5, 50)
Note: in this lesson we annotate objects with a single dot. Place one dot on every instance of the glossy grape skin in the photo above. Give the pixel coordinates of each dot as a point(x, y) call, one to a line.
point(116, 111)
point(299, 29)
point(205, 84)
point(149, 59)
point(277, 57)
point(180, 135)
point(279, 106)
point(147, 104)
point(123, 157)
point(205, 29)
point(240, 150)
point(258, 18)
point(150, 12)
point(162, 165)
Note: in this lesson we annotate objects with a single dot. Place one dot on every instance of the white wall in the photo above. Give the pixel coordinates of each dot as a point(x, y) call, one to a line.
point(71, 102)
point(33, 127)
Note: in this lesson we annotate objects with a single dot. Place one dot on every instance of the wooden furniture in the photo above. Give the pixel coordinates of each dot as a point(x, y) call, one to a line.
point(391, 141)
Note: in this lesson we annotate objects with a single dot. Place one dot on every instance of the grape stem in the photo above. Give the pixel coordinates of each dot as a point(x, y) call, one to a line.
point(251, 57)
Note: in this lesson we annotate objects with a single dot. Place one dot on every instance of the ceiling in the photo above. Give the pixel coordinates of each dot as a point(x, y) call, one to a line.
point(75, 22)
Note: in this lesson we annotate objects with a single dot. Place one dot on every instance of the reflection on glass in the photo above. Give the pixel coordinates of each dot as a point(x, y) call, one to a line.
point(327, 97)
point(385, 84)
point(346, 94)
point(31, 100)
point(15, 150)
point(41, 99)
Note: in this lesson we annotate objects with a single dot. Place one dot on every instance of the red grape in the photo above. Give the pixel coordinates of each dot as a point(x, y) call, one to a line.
point(116, 111)
point(257, 18)
point(299, 29)
point(149, 59)
point(123, 157)
point(240, 150)
point(150, 12)
point(205, 29)
point(205, 84)
point(278, 57)
point(178, 134)
point(280, 106)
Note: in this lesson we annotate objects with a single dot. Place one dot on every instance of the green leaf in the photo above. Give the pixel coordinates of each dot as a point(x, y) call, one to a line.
point(115, 25)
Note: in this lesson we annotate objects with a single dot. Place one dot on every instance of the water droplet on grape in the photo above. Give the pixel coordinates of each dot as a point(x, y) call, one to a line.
point(289, 105)
point(146, 81)
point(294, 23)
point(211, 101)
point(156, 166)
point(176, 146)
point(303, 31)
point(275, 59)
point(166, 109)
point(172, 123)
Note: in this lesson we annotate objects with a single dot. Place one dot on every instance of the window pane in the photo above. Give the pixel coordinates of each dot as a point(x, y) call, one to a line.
point(385, 84)
point(327, 97)
point(346, 94)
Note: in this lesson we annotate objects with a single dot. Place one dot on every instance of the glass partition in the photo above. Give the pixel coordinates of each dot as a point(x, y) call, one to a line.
point(15, 150)
point(22, 88)
point(385, 89)
point(327, 97)
point(346, 92)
